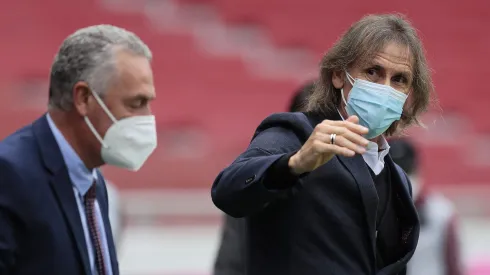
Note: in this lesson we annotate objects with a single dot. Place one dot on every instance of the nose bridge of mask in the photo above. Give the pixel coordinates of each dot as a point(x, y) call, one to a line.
point(352, 81)
point(399, 95)
point(392, 92)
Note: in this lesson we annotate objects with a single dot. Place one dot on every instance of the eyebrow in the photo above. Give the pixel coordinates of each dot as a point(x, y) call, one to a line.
point(142, 97)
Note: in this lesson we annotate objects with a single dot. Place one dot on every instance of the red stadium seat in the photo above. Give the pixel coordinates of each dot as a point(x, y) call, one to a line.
point(211, 104)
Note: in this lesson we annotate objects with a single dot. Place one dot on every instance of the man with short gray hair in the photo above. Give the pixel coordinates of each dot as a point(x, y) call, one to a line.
point(53, 204)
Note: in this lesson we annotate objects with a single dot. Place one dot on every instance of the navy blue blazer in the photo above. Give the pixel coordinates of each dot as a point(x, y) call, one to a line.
point(40, 227)
point(319, 223)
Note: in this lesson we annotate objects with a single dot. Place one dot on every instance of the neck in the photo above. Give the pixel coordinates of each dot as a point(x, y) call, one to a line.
point(64, 122)
point(377, 140)
point(343, 111)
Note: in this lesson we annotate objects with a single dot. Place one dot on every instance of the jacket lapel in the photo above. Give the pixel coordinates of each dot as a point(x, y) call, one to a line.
point(406, 209)
point(357, 167)
point(102, 198)
point(61, 185)
point(409, 221)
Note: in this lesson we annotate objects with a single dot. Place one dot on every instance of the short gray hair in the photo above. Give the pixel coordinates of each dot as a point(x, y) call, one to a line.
point(87, 55)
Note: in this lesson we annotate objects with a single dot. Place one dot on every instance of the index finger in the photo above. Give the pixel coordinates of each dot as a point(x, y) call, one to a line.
point(353, 127)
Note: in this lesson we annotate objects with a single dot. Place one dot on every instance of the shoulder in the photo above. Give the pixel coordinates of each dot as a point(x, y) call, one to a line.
point(285, 119)
point(19, 146)
point(288, 129)
point(296, 123)
point(19, 160)
point(281, 131)
point(14, 180)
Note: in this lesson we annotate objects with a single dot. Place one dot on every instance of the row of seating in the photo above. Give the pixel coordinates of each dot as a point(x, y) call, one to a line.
point(452, 37)
point(452, 34)
point(208, 106)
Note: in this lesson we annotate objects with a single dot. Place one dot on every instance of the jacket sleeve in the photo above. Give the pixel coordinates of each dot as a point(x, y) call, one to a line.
point(258, 176)
point(8, 238)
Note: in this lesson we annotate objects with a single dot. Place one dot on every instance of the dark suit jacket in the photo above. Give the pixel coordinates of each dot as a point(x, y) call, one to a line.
point(40, 228)
point(320, 223)
point(230, 259)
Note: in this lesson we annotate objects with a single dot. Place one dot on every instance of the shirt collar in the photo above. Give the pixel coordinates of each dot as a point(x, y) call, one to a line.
point(81, 177)
point(379, 148)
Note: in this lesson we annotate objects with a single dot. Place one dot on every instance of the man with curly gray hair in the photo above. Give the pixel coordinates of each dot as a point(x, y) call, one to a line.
point(54, 202)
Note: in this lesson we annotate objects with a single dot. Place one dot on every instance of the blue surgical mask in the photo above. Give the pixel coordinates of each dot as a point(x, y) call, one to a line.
point(376, 105)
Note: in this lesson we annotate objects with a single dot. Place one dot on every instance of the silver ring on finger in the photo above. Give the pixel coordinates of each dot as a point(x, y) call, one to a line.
point(332, 138)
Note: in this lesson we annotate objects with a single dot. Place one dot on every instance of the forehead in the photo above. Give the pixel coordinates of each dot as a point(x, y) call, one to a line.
point(134, 76)
point(394, 57)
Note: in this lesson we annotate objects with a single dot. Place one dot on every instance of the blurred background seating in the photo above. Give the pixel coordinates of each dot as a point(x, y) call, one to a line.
point(226, 64)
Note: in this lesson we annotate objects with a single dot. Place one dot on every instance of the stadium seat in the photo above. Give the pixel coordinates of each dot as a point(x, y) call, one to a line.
point(211, 104)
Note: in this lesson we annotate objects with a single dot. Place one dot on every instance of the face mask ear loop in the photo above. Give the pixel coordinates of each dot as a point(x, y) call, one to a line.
point(103, 106)
point(109, 114)
point(343, 97)
point(350, 78)
point(92, 128)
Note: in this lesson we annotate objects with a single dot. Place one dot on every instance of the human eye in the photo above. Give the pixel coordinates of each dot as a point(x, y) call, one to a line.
point(372, 74)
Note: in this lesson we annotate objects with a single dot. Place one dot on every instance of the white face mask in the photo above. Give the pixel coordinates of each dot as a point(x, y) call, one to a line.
point(128, 142)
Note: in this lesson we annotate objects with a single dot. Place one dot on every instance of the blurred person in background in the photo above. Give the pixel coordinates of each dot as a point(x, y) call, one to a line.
point(54, 202)
point(319, 192)
point(438, 250)
point(230, 259)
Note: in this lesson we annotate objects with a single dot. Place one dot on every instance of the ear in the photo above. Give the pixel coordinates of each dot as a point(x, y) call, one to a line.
point(81, 97)
point(338, 79)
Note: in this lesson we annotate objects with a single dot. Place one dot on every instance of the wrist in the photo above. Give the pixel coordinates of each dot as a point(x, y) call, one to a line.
point(293, 165)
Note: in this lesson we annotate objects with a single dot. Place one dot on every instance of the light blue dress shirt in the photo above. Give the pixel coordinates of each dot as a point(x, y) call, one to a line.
point(82, 179)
